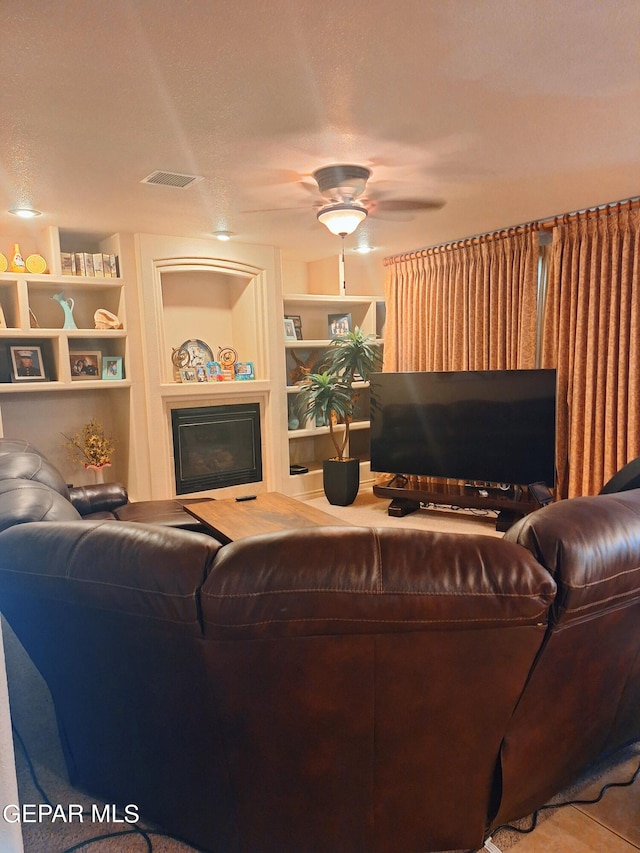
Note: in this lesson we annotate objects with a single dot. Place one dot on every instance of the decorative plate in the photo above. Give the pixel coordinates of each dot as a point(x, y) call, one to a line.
point(198, 352)
point(36, 264)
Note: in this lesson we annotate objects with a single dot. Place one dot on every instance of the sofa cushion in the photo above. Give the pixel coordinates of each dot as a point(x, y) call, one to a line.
point(591, 546)
point(359, 580)
point(32, 466)
point(130, 570)
point(25, 500)
point(18, 445)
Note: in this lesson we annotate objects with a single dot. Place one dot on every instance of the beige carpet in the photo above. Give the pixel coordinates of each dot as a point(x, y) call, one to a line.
point(32, 712)
point(371, 511)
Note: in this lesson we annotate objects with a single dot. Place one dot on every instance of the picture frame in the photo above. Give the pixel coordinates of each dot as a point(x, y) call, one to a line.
point(214, 371)
point(339, 325)
point(188, 374)
point(244, 370)
point(85, 364)
point(112, 367)
point(27, 364)
point(297, 323)
point(289, 330)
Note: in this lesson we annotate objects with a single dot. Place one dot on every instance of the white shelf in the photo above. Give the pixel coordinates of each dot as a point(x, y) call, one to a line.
point(312, 432)
point(26, 299)
point(207, 389)
point(311, 445)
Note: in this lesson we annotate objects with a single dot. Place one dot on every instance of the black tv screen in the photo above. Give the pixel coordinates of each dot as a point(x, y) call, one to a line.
point(488, 426)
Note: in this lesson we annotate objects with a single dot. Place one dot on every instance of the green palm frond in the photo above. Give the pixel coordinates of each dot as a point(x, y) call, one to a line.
point(351, 355)
point(328, 395)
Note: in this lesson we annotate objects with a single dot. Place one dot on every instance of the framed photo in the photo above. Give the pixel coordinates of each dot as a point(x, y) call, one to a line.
point(339, 325)
point(85, 364)
point(188, 374)
point(26, 364)
point(112, 367)
point(244, 370)
point(214, 371)
point(201, 373)
point(297, 324)
point(289, 330)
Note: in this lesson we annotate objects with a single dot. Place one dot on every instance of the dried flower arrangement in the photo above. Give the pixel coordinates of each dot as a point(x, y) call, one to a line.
point(90, 446)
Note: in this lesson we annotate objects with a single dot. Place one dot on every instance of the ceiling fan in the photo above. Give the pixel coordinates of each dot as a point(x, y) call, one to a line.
point(345, 203)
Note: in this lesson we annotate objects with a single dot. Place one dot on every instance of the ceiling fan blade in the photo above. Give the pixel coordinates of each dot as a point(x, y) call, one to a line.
point(405, 205)
point(277, 209)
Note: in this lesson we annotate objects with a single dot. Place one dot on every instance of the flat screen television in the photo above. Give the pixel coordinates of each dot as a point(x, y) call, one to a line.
point(487, 426)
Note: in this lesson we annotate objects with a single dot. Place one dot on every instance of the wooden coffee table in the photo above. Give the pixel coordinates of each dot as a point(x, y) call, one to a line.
point(230, 519)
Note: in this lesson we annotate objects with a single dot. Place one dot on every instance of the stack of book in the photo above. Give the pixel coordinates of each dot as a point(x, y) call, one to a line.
point(89, 264)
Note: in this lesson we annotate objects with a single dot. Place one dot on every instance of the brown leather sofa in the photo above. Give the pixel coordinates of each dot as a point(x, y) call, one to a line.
point(338, 689)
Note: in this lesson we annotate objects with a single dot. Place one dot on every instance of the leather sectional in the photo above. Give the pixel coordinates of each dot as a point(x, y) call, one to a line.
point(332, 690)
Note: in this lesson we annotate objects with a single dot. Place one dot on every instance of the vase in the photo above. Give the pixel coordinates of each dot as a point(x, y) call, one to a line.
point(98, 470)
point(67, 306)
point(341, 480)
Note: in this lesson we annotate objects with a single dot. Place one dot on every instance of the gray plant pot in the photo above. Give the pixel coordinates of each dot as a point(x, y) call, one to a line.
point(341, 481)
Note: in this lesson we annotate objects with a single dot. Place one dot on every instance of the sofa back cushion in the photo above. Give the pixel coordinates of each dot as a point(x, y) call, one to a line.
point(139, 571)
point(363, 580)
point(25, 500)
point(32, 466)
point(18, 445)
point(591, 546)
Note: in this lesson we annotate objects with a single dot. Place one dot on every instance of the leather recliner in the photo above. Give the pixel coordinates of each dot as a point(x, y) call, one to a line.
point(21, 460)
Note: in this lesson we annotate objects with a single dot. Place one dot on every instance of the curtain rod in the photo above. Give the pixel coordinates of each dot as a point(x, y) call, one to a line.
point(477, 240)
point(542, 224)
point(590, 212)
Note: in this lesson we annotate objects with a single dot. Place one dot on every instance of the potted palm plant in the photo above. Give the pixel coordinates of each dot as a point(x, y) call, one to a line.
point(330, 397)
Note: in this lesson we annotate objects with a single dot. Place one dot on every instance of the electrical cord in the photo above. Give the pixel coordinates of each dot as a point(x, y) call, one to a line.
point(144, 832)
point(550, 806)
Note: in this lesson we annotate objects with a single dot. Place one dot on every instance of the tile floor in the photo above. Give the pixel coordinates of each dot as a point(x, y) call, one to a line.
point(610, 826)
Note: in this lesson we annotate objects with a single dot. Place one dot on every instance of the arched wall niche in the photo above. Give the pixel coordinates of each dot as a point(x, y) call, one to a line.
point(189, 292)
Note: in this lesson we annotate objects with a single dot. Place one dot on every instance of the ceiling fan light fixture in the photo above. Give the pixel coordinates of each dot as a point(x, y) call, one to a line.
point(342, 219)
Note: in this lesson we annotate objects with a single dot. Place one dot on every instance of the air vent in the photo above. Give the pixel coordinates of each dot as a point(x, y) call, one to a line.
point(171, 179)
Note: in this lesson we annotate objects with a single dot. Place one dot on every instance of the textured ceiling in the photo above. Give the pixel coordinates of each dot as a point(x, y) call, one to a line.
point(505, 110)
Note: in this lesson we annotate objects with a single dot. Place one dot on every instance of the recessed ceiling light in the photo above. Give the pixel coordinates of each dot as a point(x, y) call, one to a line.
point(25, 212)
point(222, 235)
point(364, 250)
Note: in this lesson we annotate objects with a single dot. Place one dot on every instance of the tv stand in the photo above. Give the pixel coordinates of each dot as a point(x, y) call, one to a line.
point(511, 504)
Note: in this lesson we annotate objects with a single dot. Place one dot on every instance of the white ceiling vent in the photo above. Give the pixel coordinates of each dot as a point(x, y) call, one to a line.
point(171, 179)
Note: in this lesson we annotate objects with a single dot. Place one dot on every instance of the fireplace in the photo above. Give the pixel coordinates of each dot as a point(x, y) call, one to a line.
point(216, 446)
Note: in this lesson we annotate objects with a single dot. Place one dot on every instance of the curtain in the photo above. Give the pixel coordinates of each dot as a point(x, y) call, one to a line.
point(464, 306)
point(591, 334)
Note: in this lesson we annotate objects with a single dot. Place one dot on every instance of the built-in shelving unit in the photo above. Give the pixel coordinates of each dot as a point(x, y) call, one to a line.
point(310, 444)
point(170, 290)
point(44, 406)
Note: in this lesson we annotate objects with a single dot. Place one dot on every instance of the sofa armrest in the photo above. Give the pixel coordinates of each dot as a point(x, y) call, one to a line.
point(101, 497)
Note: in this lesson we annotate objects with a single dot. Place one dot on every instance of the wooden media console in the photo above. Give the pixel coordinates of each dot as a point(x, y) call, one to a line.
point(408, 495)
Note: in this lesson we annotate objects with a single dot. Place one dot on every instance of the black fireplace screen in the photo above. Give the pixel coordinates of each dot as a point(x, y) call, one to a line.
point(216, 446)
